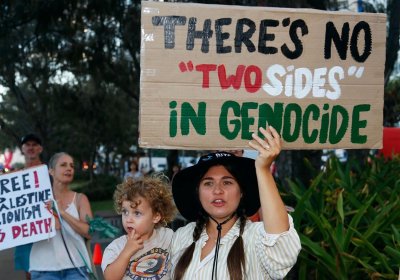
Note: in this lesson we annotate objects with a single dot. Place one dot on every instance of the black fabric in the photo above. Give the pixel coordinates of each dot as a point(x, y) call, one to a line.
point(31, 137)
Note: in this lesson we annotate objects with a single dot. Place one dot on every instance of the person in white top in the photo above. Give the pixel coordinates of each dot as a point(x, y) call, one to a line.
point(146, 206)
point(216, 195)
point(134, 171)
point(65, 255)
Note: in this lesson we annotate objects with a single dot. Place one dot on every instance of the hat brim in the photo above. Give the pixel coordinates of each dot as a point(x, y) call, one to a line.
point(185, 183)
point(30, 137)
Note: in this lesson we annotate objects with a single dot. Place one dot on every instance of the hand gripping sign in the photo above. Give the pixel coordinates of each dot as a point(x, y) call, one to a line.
point(24, 217)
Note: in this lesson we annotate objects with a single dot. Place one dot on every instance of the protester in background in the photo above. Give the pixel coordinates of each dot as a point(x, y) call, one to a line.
point(216, 195)
point(134, 171)
point(65, 255)
point(146, 207)
point(31, 147)
point(175, 169)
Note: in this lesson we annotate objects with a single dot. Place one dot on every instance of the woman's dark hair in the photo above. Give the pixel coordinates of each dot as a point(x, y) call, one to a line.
point(236, 257)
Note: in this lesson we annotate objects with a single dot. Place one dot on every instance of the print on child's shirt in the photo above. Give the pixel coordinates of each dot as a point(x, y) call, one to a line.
point(151, 265)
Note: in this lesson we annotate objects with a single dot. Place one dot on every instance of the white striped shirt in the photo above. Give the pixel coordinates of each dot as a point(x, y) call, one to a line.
point(268, 256)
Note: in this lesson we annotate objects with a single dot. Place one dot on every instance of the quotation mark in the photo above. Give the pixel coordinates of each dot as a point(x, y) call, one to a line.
point(186, 66)
point(354, 71)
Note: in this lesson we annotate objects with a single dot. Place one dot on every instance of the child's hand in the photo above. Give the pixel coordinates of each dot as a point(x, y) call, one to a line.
point(134, 242)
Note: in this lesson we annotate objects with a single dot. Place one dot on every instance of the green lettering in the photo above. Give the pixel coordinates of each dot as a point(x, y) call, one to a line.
point(310, 138)
point(336, 134)
point(357, 124)
point(197, 120)
point(287, 135)
point(246, 120)
point(173, 119)
point(223, 120)
point(323, 133)
point(269, 116)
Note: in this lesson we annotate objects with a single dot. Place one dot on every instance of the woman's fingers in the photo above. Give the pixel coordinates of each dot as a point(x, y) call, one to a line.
point(270, 145)
point(259, 143)
point(275, 134)
point(271, 139)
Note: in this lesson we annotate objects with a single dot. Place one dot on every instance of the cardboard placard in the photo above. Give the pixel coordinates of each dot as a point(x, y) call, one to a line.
point(23, 216)
point(212, 74)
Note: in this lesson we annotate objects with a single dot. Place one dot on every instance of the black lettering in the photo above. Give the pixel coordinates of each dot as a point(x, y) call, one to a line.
point(341, 42)
point(204, 34)
point(298, 50)
point(243, 37)
point(169, 23)
point(25, 181)
point(221, 36)
point(15, 184)
point(361, 26)
point(265, 36)
point(3, 183)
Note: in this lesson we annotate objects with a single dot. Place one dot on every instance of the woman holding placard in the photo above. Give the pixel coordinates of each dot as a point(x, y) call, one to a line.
point(217, 195)
point(64, 256)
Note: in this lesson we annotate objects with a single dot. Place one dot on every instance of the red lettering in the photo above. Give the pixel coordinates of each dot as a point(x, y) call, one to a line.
point(2, 236)
point(16, 230)
point(47, 225)
point(206, 68)
point(25, 230)
point(40, 222)
point(252, 76)
point(33, 229)
point(252, 87)
point(232, 80)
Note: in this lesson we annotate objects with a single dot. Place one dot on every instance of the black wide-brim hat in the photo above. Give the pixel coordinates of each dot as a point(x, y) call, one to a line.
point(186, 182)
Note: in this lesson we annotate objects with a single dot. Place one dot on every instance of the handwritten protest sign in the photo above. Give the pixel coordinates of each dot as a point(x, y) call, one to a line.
point(212, 74)
point(23, 216)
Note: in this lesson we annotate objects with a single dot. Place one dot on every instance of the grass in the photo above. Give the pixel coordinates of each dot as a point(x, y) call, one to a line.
point(102, 205)
point(79, 184)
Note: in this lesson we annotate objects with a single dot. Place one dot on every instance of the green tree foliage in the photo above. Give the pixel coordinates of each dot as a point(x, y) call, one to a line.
point(72, 73)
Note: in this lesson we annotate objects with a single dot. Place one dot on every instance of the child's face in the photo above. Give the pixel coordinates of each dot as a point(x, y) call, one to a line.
point(141, 219)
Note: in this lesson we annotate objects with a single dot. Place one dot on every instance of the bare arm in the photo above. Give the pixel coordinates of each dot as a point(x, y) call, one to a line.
point(273, 210)
point(116, 269)
point(79, 225)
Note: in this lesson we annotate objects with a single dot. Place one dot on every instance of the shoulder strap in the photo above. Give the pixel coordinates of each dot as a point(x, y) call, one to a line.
point(73, 199)
point(78, 200)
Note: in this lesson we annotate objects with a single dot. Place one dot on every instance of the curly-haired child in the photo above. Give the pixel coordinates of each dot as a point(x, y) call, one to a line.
point(146, 206)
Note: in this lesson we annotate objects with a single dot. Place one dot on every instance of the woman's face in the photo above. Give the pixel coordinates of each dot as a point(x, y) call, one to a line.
point(133, 166)
point(219, 193)
point(63, 171)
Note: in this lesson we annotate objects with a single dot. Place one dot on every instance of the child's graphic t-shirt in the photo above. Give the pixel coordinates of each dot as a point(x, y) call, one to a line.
point(151, 262)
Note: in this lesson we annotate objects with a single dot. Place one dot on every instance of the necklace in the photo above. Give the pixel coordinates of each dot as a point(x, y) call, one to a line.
point(218, 240)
